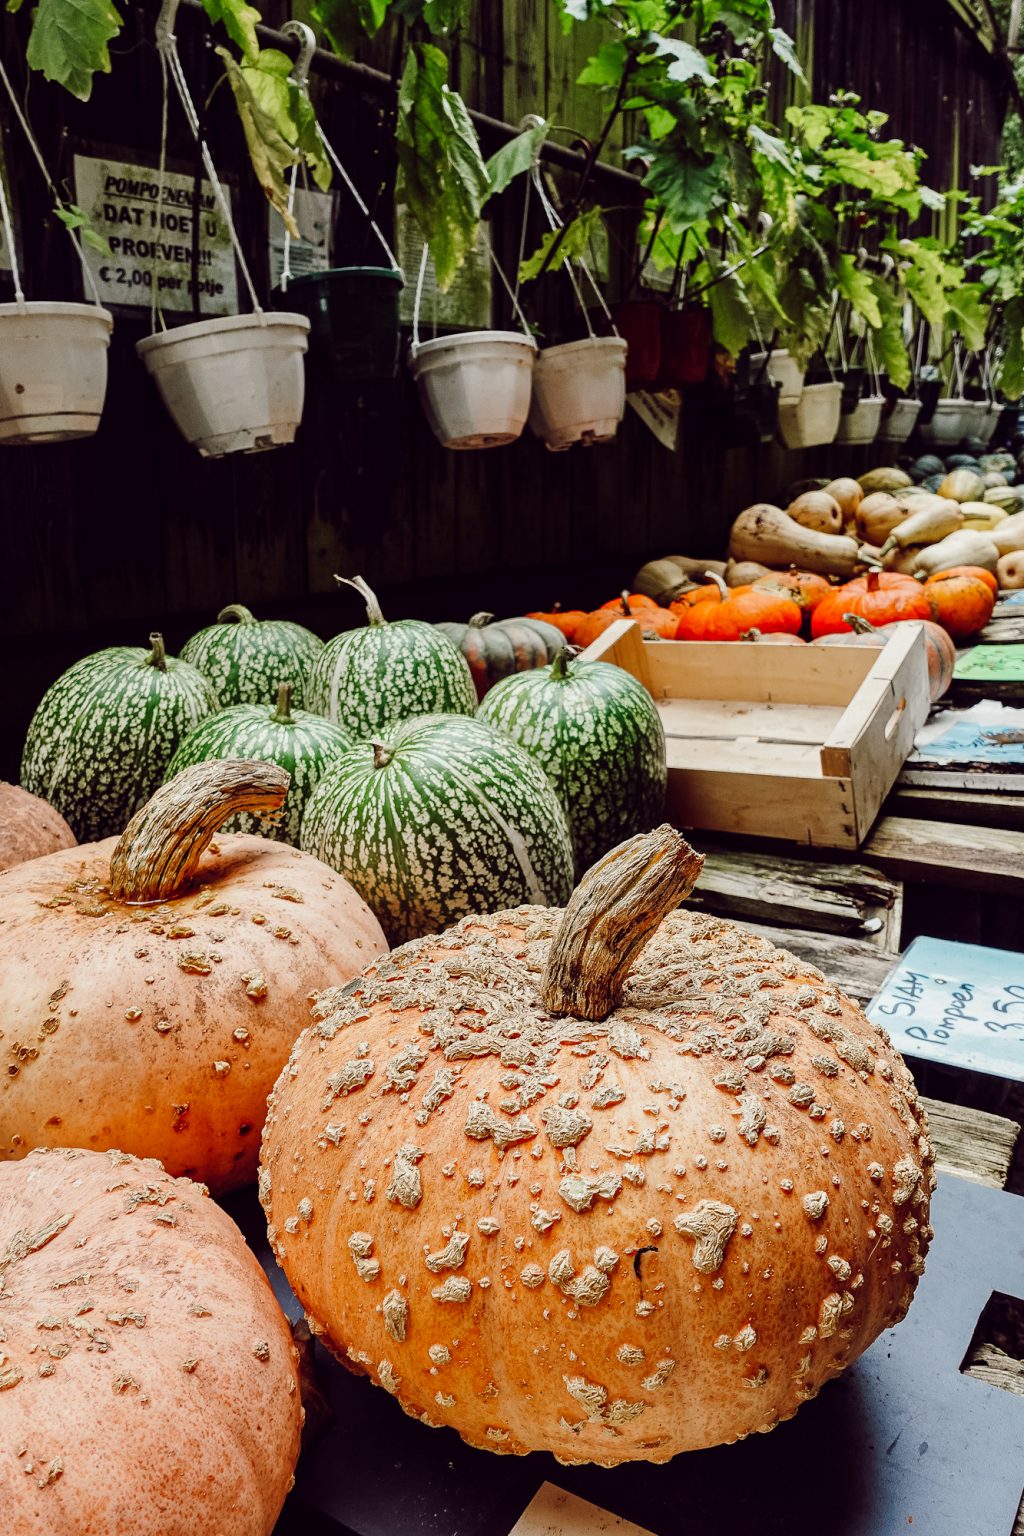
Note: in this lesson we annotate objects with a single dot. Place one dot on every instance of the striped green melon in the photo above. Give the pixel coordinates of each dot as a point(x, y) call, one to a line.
point(596, 733)
point(244, 658)
point(300, 743)
point(369, 679)
point(447, 818)
point(101, 739)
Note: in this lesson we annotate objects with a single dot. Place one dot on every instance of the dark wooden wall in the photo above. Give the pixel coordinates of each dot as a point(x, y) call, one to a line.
point(107, 539)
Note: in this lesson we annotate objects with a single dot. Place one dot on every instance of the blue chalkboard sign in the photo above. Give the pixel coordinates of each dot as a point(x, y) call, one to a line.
point(958, 1004)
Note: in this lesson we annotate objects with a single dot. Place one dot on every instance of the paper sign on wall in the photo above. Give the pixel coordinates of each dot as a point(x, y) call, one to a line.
point(154, 247)
point(958, 1004)
point(468, 300)
point(659, 413)
point(314, 213)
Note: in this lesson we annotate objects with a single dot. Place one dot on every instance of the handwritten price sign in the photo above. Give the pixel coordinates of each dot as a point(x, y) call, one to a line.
point(958, 1004)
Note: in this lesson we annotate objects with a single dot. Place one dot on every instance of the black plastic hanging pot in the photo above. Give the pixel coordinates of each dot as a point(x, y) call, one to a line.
point(353, 317)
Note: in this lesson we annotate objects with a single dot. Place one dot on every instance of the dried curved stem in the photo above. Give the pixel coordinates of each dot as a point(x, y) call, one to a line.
point(616, 908)
point(374, 615)
point(159, 849)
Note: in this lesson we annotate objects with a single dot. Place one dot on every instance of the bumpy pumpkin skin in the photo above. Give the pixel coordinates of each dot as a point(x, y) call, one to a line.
point(613, 1241)
point(160, 1029)
point(29, 827)
point(152, 1385)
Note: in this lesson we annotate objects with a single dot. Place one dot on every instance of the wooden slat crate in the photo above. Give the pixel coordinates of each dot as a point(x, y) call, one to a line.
point(794, 742)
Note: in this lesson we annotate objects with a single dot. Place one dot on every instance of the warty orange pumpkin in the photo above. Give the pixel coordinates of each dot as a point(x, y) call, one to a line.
point(881, 597)
point(961, 602)
point(29, 827)
point(615, 1182)
point(148, 1381)
point(151, 986)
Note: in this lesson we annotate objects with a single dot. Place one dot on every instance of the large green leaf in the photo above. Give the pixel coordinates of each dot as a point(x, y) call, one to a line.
point(347, 22)
point(731, 312)
point(889, 345)
point(515, 157)
point(240, 22)
point(1011, 373)
point(688, 63)
point(606, 66)
point(443, 179)
point(855, 285)
point(263, 98)
point(685, 181)
point(927, 279)
point(970, 313)
point(574, 245)
point(784, 48)
point(884, 177)
point(444, 16)
point(68, 42)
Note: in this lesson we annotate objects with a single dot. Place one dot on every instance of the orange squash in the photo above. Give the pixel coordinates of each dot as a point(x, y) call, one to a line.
point(29, 827)
point(740, 609)
point(776, 638)
point(962, 604)
point(711, 593)
point(940, 650)
point(651, 619)
point(805, 587)
point(881, 597)
point(977, 571)
point(634, 600)
point(568, 620)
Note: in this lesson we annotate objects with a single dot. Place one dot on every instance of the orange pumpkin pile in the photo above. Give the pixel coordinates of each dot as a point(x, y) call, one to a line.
point(724, 613)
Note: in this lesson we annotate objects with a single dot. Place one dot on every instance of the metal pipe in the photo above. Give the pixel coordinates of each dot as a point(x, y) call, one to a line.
point(362, 77)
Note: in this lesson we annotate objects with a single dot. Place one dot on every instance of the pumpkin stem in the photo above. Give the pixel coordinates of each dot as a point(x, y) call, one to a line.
point(560, 663)
point(160, 848)
point(158, 655)
point(858, 624)
point(624, 600)
point(872, 580)
point(616, 908)
point(719, 582)
point(751, 634)
point(283, 713)
point(382, 754)
point(235, 611)
point(374, 616)
point(481, 620)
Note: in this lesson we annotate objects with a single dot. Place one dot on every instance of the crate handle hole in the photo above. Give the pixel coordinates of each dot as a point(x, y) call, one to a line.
point(892, 724)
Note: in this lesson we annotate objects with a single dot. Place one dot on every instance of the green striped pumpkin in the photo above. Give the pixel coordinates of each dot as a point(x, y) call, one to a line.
point(101, 739)
point(595, 731)
point(244, 658)
point(300, 743)
point(369, 679)
point(446, 819)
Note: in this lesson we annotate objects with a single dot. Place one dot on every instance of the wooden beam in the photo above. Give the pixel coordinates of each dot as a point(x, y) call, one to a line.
point(845, 899)
point(971, 1142)
point(943, 853)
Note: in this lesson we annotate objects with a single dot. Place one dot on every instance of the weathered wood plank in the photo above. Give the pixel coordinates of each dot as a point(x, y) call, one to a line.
point(943, 853)
point(973, 1143)
point(849, 899)
point(967, 806)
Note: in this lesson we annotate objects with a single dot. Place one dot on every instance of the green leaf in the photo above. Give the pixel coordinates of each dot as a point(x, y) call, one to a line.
point(970, 312)
point(443, 178)
point(347, 22)
point(890, 347)
point(262, 97)
point(606, 66)
point(688, 62)
point(515, 157)
point(731, 310)
point(310, 144)
point(75, 218)
point(686, 182)
point(573, 246)
point(784, 48)
point(660, 122)
point(444, 16)
point(857, 169)
point(1011, 373)
point(240, 22)
point(68, 42)
point(856, 286)
point(926, 279)
point(772, 148)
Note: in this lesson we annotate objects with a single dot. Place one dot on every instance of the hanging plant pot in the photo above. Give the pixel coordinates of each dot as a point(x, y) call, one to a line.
point(475, 388)
point(853, 385)
point(640, 323)
point(986, 416)
point(783, 370)
point(754, 414)
point(233, 384)
point(53, 370)
point(814, 418)
point(353, 319)
point(579, 392)
point(862, 423)
point(901, 421)
point(685, 347)
point(951, 420)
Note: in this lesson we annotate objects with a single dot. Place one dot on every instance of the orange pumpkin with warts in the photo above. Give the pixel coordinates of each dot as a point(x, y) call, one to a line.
point(151, 986)
point(961, 602)
point(545, 1264)
point(804, 587)
point(881, 597)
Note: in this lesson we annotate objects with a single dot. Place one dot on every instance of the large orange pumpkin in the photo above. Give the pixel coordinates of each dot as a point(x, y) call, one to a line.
point(148, 1381)
point(804, 587)
point(151, 986)
point(640, 1181)
point(939, 648)
point(881, 597)
point(740, 609)
point(651, 619)
point(977, 571)
point(961, 602)
point(567, 620)
point(29, 827)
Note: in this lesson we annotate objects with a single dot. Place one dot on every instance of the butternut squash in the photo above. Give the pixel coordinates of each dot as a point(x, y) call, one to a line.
point(925, 527)
point(766, 534)
point(817, 510)
point(961, 548)
point(848, 494)
point(1009, 536)
point(982, 517)
point(902, 561)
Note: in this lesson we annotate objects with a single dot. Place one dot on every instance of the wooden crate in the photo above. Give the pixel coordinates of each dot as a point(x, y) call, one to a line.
point(797, 742)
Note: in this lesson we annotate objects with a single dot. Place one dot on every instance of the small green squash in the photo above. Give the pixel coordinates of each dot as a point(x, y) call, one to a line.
point(595, 731)
point(300, 743)
point(445, 818)
point(499, 648)
point(99, 743)
point(887, 478)
point(367, 680)
point(244, 658)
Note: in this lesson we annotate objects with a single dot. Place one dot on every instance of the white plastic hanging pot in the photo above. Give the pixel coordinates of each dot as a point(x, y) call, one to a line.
point(475, 388)
point(952, 419)
point(53, 370)
point(814, 418)
point(901, 420)
point(861, 424)
point(579, 392)
point(233, 384)
point(784, 371)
